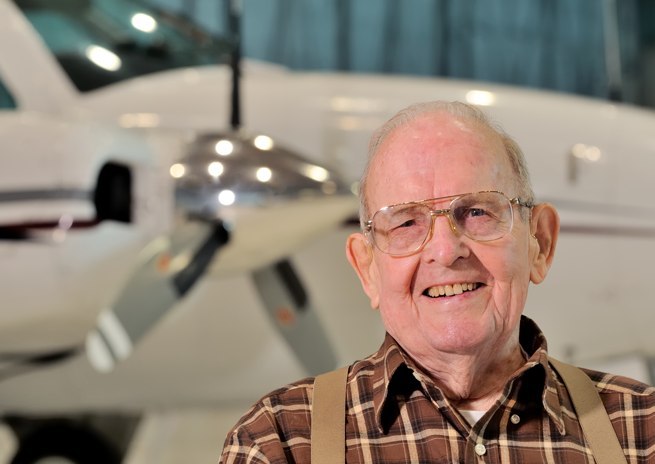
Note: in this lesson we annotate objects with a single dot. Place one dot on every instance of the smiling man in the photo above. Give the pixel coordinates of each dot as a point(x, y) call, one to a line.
point(451, 241)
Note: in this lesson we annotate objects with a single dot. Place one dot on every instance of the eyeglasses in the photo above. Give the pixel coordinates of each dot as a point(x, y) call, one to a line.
point(405, 228)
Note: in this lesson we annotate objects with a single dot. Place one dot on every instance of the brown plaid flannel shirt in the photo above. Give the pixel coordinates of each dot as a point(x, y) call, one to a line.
point(396, 415)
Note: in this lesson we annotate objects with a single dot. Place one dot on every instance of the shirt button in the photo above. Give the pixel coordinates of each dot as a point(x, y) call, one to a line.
point(480, 449)
point(515, 419)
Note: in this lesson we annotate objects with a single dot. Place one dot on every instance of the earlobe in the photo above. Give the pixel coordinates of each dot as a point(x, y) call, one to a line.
point(544, 229)
point(360, 256)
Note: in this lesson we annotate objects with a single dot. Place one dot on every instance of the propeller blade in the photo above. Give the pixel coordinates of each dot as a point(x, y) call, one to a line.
point(289, 306)
point(156, 286)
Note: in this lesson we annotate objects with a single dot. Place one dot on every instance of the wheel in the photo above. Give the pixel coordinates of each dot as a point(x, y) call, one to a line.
point(65, 444)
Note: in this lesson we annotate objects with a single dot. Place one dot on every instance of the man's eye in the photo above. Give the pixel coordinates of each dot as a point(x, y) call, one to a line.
point(475, 212)
point(407, 223)
point(467, 213)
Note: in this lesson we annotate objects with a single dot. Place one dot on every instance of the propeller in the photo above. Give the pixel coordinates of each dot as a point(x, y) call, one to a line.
point(167, 271)
point(229, 186)
point(290, 308)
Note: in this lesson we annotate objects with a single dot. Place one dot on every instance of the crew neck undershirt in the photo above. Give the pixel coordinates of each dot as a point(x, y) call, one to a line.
point(471, 416)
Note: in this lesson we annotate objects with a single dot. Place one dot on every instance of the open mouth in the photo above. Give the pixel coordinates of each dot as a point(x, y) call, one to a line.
point(449, 290)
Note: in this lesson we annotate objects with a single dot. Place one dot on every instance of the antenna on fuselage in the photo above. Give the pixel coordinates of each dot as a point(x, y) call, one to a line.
point(612, 46)
point(234, 26)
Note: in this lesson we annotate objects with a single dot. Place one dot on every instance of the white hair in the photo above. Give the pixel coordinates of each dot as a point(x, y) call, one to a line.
point(458, 110)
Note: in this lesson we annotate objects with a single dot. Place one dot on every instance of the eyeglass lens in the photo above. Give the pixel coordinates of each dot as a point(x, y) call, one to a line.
point(481, 216)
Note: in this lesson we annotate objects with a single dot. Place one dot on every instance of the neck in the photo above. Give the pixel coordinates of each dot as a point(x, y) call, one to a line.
point(475, 382)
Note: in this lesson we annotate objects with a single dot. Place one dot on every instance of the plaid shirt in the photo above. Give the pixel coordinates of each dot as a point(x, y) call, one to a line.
point(395, 414)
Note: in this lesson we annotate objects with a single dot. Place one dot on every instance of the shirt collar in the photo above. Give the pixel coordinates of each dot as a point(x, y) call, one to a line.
point(395, 369)
point(533, 341)
point(390, 374)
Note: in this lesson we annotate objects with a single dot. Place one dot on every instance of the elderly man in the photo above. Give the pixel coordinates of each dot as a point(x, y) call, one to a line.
point(451, 240)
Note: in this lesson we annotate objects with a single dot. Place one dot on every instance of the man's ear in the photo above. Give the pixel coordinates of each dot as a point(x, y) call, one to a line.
point(360, 256)
point(545, 230)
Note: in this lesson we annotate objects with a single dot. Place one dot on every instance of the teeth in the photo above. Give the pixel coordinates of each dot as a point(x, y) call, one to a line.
point(450, 290)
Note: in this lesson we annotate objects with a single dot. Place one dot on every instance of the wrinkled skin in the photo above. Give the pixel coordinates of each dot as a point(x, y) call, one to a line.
point(467, 343)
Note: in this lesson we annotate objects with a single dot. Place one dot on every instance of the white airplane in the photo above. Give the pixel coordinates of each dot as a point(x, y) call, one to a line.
point(592, 159)
point(115, 225)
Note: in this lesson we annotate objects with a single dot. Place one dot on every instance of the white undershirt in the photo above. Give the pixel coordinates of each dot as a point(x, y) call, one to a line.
point(472, 416)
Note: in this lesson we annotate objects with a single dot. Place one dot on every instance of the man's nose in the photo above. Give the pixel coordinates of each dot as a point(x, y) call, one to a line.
point(445, 245)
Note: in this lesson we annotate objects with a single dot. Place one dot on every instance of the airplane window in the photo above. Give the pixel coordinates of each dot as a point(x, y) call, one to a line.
point(62, 35)
point(6, 100)
point(101, 42)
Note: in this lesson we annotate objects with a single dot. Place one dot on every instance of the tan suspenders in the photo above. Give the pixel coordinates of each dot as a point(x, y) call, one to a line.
point(329, 418)
point(593, 418)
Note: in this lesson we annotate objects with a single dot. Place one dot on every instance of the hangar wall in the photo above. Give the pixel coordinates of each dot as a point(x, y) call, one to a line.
point(558, 45)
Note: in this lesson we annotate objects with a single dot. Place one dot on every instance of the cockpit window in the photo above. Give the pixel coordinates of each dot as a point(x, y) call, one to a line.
point(6, 100)
point(101, 42)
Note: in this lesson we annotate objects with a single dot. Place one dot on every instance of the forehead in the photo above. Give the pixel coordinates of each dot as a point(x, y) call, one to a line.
point(437, 155)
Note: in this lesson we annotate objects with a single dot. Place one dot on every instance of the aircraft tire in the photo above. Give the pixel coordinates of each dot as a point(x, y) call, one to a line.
point(75, 444)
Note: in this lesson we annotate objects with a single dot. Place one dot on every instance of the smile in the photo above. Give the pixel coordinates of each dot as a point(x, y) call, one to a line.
point(450, 290)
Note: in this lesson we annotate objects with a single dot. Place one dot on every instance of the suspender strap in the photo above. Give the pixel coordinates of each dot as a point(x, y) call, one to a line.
point(329, 417)
point(593, 418)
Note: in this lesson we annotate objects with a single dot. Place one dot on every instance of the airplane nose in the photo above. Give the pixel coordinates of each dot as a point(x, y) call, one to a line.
point(271, 201)
point(233, 169)
point(249, 204)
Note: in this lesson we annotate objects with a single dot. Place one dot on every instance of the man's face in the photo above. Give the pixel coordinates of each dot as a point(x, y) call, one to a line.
point(436, 156)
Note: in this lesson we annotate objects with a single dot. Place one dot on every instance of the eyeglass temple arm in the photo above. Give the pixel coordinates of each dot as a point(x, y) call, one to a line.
point(520, 202)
